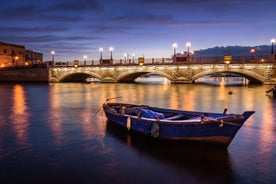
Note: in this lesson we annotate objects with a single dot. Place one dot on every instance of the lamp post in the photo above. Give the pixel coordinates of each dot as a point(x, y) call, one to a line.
point(133, 57)
point(252, 54)
point(188, 45)
point(272, 45)
point(101, 53)
point(84, 58)
point(53, 55)
point(125, 56)
point(174, 49)
point(192, 52)
point(111, 50)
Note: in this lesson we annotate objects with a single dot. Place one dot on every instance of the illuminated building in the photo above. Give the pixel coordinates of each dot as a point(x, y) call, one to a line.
point(16, 55)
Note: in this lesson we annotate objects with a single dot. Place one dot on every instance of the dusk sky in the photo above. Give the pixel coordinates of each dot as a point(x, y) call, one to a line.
point(74, 28)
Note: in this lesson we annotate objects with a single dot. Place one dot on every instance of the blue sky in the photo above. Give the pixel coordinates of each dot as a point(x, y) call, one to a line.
point(74, 28)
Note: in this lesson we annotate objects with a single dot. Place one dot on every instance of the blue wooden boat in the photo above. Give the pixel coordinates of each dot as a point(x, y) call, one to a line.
point(177, 125)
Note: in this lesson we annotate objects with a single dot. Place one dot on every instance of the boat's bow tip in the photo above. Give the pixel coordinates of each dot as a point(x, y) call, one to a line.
point(247, 114)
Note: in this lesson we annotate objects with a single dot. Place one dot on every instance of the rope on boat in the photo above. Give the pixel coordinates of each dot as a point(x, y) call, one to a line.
point(222, 122)
point(205, 120)
point(100, 108)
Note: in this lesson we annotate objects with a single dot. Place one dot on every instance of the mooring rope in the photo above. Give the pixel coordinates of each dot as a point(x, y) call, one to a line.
point(100, 108)
point(96, 112)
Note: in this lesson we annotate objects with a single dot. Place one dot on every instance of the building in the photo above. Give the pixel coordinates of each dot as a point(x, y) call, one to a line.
point(12, 55)
point(33, 57)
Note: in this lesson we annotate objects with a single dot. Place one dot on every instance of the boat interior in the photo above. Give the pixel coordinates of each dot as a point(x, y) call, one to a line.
point(156, 113)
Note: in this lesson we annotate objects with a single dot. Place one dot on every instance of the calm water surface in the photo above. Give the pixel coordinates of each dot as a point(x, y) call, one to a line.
point(53, 133)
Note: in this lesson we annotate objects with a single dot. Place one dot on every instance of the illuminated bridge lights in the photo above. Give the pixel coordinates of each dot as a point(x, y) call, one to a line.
point(248, 66)
point(196, 66)
point(207, 66)
point(220, 66)
point(235, 66)
point(183, 67)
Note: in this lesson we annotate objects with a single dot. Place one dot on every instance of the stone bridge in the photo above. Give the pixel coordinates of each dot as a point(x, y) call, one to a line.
point(255, 72)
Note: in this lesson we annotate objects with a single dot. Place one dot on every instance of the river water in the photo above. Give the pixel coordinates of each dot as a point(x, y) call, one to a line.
point(57, 133)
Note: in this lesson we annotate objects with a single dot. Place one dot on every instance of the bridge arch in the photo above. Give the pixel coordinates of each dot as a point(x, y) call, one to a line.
point(78, 76)
point(251, 76)
point(130, 76)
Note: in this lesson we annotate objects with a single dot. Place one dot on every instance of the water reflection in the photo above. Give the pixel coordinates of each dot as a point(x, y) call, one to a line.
point(74, 105)
point(55, 116)
point(20, 115)
point(267, 133)
point(206, 164)
point(88, 148)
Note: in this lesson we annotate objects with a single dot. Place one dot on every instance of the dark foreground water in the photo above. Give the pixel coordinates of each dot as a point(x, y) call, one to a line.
point(49, 134)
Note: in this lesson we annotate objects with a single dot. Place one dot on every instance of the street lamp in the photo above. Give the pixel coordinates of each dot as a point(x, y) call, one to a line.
point(174, 49)
point(53, 55)
point(101, 53)
point(133, 57)
point(125, 55)
point(192, 52)
point(252, 54)
point(111, 49)
point(272, 43)
point(84, 58)
point(188, 45)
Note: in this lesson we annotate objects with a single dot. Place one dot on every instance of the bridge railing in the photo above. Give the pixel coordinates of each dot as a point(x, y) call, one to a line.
point(169, 61)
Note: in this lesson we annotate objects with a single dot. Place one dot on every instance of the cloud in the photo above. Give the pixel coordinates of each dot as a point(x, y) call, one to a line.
point(81, 24)
point(205, 23)
point(75, 6)
point(47, 42)
point(28, 29)
point(56, 10)
point(197, 8)
point(143, 17)
point(18, 11)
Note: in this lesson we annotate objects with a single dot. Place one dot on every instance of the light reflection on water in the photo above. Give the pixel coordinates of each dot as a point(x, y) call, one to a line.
point(54, 126)
point(19, 117)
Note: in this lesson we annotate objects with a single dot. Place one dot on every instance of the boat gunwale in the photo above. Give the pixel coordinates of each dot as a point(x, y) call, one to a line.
point(192, 121)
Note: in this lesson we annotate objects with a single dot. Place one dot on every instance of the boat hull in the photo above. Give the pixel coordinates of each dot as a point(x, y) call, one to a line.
point(218, 132)
point(211, 133)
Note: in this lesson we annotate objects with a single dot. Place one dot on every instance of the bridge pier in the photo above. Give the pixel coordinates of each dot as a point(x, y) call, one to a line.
point(181, 81)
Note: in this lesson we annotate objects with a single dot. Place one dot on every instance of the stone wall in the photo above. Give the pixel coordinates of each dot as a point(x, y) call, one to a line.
point(25, 75)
